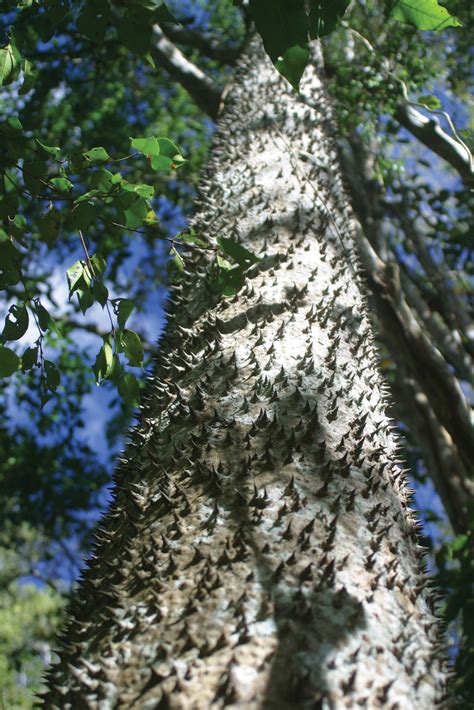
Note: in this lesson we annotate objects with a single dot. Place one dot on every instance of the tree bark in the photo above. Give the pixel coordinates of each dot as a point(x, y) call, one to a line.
point(260, 552)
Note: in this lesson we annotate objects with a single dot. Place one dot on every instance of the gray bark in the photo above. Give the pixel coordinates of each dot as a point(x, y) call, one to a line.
point(261, 552)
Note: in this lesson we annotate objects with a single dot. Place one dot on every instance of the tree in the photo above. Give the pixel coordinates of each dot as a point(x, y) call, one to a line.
point(260, 549)
point(404, 304)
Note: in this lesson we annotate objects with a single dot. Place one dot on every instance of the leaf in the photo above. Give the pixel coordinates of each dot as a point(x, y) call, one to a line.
point(132, 347)
point(10, 260)
point(34, 174)
point(44, 319)
point(129, 389)
point(147, 146)
point(16, 323)
point(29, 76)
point(82, 216)
point(423, 14)
point(459, 543)
point(9, 204)
point(49, 226)
point(29, 358)
point(325, 15)
point(61, 183)
point(123, 308)
point(53, 376)
point(237, 252)
point(292, 64)
point(100, 291)
point(9, 362)
point(283, 25)
point(97, 155)
point(10, 63)
point(146, 191)
point(104, 362)
point(431, 102)
point(53, 151)
point(92, 22)
point(99, 263)
point(175, 265)
point(74, 273)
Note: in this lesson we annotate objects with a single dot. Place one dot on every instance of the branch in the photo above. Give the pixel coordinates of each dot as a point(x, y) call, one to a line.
point(210, 47)
point(421, 356)
point(441, 458)
point(430, 133)
point(205, 93)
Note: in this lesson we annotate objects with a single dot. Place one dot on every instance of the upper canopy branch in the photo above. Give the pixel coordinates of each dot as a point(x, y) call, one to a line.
point(203, 90)
point(208, 46)
point(430, 133)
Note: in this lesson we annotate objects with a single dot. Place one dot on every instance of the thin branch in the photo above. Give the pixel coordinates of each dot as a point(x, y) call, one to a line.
point(208, 46)
point(201, 88)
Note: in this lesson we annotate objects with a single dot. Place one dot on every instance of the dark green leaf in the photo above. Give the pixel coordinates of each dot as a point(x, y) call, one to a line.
point(325, 15)
point(129, 389)
point(237, 252)
point(132, 347)
point(123, 308)
point(30, 358)
point(16, 323)
point(9, 362)
point(49, 226)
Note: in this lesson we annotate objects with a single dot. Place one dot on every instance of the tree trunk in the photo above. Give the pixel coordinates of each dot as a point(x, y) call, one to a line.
point(260, 552)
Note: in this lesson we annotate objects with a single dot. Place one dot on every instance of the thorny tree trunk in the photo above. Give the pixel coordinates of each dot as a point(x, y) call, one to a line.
point(260, 552)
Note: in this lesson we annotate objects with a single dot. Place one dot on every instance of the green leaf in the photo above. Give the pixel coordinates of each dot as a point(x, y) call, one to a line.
point(237, 252)
point(10, 260)
point(61, 183)
point(146, 191)
point(97, 155)
point(34, 174)
point(147, 146)
point(49, 226)
point(292, 64)
point(74, 274)
point(16, 323)
point(44, 319)
point(132, 347)
point(10, 63)
point(53, 151)
point(423, 14)
point(9, 362)
point(82, 216)
point(29, 358)
point(281, 24)
point(459, 543)
point(133, 209)
point(123, 308)
point(175, 265)
point(9, 204)
point(325, 15)
point(99, 263)
point(431, 102)
point(100, 291)
point(53, 376)
point(29, 76)
point(129, 389)
point(92, 22)
point(104, 362)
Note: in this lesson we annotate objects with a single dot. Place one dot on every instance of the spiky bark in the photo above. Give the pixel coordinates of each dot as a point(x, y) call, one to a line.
point(260, 551)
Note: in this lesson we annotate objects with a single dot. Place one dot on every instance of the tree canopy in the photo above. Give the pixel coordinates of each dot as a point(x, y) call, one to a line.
point(107, 113)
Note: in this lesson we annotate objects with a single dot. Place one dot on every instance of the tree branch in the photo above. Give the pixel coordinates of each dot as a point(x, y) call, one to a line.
point(202, 89)
point(429, 132)
point(208, 46)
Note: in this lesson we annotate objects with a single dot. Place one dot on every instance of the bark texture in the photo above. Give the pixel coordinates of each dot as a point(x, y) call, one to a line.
point(260, 552)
